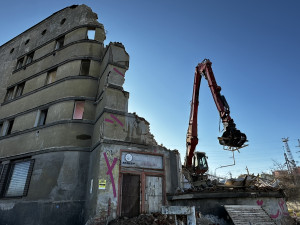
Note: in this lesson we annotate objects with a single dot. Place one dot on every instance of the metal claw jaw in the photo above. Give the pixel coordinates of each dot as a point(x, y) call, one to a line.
point(233, 139)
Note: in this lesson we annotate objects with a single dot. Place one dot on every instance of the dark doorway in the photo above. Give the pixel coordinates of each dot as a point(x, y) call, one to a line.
point(130, 195)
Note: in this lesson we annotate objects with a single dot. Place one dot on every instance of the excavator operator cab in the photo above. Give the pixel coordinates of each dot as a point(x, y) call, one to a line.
point(200, 163)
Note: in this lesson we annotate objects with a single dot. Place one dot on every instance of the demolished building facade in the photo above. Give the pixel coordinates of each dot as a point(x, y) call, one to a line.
point(69, 149)
point(70, 153)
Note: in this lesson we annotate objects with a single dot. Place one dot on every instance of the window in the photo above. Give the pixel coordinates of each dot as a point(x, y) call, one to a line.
point(59, 43)
point(20, 88)
point(78, 110)
point(20, 63)
point(51, 76)
point(27, 41)
point(1, 125)
point(62, 21)
point(9, 94)
point(44, 32)
point(12, 50)
point(41, 118)
point(85, 67)
point(15, 178)
point(7, 127)
point(29, 58)
point(91, 34)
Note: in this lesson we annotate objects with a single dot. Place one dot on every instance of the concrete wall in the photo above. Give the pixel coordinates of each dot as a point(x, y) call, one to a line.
point(71, 155)
point(56, 194)
point(211, 205)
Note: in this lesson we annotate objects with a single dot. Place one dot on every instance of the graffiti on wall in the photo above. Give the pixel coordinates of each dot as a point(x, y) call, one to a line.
point(115, 120)
point(117, 71)
point(109, 172)
point(281, 208)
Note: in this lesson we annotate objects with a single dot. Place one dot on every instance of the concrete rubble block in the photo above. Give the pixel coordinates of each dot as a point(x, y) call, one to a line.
point(181, 210)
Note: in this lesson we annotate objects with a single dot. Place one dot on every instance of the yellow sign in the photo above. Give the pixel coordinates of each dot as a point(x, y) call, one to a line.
point(102, 184)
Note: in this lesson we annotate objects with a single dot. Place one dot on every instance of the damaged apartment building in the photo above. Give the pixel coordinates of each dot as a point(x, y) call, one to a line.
point(70, 153)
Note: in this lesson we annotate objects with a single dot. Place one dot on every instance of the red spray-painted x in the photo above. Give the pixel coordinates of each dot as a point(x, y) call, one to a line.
point(109, 172)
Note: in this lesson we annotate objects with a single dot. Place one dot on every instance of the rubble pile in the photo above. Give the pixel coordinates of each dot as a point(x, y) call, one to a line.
point(242, 183)
point(147, 219)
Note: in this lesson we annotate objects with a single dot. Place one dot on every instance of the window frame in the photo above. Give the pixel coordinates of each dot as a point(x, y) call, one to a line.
point(29, 58)
point(41, 117)
point(82, 67)
point(78, 104)
point(7, 127)
point(89, 36)
point(59, 43)
point(6, 174)
point(50, 75)
point(20, 63)
point(19, 89)
point(9, 94)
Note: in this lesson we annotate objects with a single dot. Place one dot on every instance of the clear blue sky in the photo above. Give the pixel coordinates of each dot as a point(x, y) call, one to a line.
point(255, 50)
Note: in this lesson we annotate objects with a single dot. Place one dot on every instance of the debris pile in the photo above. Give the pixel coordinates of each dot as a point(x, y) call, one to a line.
point(147, 219)
point(243, 182)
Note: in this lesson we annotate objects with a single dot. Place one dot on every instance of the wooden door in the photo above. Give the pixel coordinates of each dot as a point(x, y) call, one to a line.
point(154, 194)
point(130, 195)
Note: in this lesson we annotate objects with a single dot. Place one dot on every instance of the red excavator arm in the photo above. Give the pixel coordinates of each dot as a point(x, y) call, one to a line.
point(231, 137)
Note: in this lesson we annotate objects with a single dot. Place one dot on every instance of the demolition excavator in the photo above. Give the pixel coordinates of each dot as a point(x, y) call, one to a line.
point(232, 139)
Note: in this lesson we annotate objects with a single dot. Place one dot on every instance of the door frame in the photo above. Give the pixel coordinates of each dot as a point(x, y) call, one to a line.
point(142, 173)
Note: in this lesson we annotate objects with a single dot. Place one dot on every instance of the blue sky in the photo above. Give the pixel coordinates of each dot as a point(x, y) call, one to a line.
point(253, 45)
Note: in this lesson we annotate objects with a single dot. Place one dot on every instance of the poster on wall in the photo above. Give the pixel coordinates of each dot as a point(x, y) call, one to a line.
point(102, 184)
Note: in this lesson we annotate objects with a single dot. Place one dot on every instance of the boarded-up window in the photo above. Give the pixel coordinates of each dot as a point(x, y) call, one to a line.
point(91, 33)
point(9, 94)
point(85, 67)
point(19, 177)
point(20, 88)
point(78, 110)
point(51, 76)
point(29, 58)
point(41, 117)
point(20, 63)
point(59, 43)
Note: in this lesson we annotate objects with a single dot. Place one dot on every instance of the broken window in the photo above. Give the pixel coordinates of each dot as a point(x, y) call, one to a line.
point(20, 88)
point(78, 110)
point(15, 178)
point(41, 117)
point(9, 94)
point(91, 33)
point(59, 42)
point(20, 63)
point(51, 76)
point(85, 67)
point(29, 58)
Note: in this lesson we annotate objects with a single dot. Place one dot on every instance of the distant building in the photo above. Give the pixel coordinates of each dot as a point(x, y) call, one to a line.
point(70, 153)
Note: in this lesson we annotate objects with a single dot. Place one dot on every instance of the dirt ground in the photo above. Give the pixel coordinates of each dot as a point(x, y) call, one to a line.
point(148, 219)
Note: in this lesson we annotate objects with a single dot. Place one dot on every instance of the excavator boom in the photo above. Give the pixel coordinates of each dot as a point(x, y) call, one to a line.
point(231, 138)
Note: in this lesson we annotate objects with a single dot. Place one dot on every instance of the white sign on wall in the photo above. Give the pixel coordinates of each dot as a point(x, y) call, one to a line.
point(130, 159)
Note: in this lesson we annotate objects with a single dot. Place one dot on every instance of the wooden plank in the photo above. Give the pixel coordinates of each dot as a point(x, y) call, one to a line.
point(248, 214)
point(154, 193)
